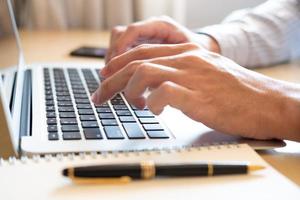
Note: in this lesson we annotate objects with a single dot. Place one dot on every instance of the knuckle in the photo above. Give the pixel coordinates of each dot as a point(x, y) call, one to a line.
point(133, 65)
point(142, 71)
point(166, 88)
point(131, 27)
point(191, 45)
point(115, 29)
point(143, 46)
point(165, 18)
point(142, 49)
point(192, 58)
point(111, 62)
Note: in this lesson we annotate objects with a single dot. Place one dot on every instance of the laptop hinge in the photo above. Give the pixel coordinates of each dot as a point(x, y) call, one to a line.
point(26, 107)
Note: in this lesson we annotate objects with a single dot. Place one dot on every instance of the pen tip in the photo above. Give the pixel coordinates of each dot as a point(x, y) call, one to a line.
point(65, 172)
point(255, 168)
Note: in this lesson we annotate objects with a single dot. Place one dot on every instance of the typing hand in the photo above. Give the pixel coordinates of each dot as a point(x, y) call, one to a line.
point(207, 87)
point(162, 30)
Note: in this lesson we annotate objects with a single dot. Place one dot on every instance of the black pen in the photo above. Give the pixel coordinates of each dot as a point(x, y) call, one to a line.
point(150, 170)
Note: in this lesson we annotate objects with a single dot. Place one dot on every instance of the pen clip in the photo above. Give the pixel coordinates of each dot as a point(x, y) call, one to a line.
point(118, 180)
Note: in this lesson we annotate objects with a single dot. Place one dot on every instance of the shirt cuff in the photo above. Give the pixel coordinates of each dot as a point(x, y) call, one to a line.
point(230, 39)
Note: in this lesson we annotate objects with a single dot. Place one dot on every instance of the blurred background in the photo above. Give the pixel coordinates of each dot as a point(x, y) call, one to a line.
point(104, 14)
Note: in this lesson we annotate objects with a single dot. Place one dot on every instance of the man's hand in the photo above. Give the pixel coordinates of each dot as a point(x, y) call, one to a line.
point(162, 30)
point(207, 87)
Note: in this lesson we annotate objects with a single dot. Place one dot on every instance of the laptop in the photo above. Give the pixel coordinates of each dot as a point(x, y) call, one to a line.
point(46, 108)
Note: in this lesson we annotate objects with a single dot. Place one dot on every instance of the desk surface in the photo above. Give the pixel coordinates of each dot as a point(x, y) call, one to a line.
point(55, 46)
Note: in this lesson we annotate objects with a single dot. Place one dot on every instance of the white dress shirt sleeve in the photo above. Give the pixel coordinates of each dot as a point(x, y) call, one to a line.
point(267, 34)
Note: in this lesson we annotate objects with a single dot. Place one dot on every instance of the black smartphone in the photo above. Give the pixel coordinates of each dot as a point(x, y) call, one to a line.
point(86, 51)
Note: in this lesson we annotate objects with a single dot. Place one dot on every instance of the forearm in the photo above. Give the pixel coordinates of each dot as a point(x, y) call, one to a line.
point(265, 35)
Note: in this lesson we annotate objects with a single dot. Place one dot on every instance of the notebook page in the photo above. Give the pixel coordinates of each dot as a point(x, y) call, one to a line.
point(42, 179)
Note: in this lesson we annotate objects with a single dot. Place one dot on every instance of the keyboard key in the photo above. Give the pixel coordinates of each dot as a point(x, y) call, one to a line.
point(82, 101)
point(68, 121)
point(87, 118)
point(117, 102)
point(77, 87)
point(79, 92)
point(120, 107)
point(106, 116)
point(48, 88)
point(71, 135)
point(157, 134)
point(143, 113)
point(103, 110)
point(89, 124)
point(123, 113)
point(133, 131)
point(69, 128)
point(53, 136)
point(51, 114)
point(83, 106)
point(126, 119)
point(148, 120)
point(50, 108)
point(135, 108)
point(48, 92)
point(67, 94)
point(52, 128)
point(49, 103)
point(65, 109)
point(67, 115)
point(109, 122)
point(63, 98)
point(113, 132)
point(51, 121)
point(92, 133)
point(49, 97)
point(80, 96)
point(62, 89)
point(64, 103)
point(85, 111)
point(153, 127)
point(104, 105)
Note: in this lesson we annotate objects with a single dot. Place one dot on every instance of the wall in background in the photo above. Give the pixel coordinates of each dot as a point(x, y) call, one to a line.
point(105, 14)
point(200, 13)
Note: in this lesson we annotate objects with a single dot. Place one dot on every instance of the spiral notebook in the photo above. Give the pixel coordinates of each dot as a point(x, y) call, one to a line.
point(40, 178)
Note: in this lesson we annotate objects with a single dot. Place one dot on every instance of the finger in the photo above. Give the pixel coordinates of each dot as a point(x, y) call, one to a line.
point(146, 51)
point(115, 35)
point(172, 94)
point(114, 84)
point(148, 75)
point(150, 29)
point(119, 80)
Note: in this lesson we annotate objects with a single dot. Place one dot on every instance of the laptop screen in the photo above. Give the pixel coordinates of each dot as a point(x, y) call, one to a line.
point(11, 56)
point(9, 53)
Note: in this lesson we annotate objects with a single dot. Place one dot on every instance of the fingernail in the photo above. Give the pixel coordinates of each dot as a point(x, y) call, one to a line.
point(104, 71)
point(95, 98)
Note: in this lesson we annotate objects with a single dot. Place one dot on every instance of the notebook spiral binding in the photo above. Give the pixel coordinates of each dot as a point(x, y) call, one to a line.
point(103, 155)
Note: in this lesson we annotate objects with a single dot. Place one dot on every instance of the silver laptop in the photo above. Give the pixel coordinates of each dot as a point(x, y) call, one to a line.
point(46, 108)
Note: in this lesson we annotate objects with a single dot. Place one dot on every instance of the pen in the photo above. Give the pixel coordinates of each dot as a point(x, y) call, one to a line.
point(148, 169)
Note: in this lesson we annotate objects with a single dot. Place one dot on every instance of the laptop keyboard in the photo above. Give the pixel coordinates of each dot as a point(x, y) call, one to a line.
point(71, 115)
